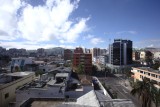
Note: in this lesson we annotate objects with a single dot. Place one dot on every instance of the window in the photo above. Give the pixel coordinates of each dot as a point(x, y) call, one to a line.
point(141, 72)
point(153, 75)
point(6, 95)
point(156, 76)
point(148, 74)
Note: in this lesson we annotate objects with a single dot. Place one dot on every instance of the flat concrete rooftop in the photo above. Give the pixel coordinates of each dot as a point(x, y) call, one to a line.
point(45, 103)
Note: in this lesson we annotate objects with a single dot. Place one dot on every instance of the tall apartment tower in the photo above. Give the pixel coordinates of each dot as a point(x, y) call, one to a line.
point(120, 52)
point(95, 52)
point(82, 58)
point(68, 54)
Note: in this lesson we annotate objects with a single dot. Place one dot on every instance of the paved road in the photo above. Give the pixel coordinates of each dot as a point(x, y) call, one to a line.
point(123, 92)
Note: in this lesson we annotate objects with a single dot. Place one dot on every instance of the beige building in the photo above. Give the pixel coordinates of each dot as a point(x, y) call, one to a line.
point(10, 82)
point(141, 72)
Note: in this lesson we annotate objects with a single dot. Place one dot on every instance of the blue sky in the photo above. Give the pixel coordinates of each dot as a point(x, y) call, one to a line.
point(33, 24)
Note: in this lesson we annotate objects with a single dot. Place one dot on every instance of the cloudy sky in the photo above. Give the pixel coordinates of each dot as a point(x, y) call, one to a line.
point(32, 24)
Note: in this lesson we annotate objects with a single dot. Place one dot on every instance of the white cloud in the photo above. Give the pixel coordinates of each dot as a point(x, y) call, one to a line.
point(31, 45)
point(24, 45)
point(73, 33)
point(126, 32)
point(8, 19)
point(148, 43)
point(96, 41)
point(151, 46)
point(40, 23)
point(88, 37)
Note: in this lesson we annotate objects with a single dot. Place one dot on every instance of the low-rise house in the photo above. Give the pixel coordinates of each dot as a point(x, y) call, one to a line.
point(10, 82)
point(18, 64)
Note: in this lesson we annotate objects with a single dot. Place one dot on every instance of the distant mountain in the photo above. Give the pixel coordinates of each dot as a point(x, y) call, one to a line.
point(152, 49)
point(55, 50)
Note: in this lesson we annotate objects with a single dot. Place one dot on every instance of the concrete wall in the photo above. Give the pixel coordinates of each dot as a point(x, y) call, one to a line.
point(10, 88)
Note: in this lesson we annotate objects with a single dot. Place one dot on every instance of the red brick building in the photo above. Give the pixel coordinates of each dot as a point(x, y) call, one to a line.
point(82, 58)
point(68, 54)
point(78, 50)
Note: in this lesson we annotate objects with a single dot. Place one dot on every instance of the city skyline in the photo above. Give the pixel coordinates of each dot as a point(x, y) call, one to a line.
point(32, 24)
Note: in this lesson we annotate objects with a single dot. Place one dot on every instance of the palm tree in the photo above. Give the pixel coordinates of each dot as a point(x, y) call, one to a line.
point(156, 96)
point(143, 89)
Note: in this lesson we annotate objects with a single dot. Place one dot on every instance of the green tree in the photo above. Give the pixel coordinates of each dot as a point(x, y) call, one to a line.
point(143, 90)
point(149, 57)
point(94, 69)
point(17, 69)
point(127, 72)
point(37, 73)
point(156, 65)
point(80, 69)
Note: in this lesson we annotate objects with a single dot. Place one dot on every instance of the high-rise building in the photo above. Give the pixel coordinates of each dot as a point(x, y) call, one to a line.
point(136, 55)
point(67, 54)
point(78, 50)
point(95, 52)
point(85, 50)
point(82, 58)
point(103, 52)
point(121, 52)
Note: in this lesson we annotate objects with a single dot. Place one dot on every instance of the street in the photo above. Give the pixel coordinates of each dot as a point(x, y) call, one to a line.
point(117, 85)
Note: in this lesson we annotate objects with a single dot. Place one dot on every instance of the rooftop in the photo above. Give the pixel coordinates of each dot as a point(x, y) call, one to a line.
point(33, 85)
point(62, 75)
point(39, 62)
point(148, 69)
point(20, 74)
point(87, 100)
point(61, 69)
point(54, 83)
point(12, 78)
point(43, 84)
point(85, 79)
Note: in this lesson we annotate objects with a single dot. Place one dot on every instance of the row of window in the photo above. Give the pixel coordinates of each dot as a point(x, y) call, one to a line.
point(149, 74)
point(156, 82)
